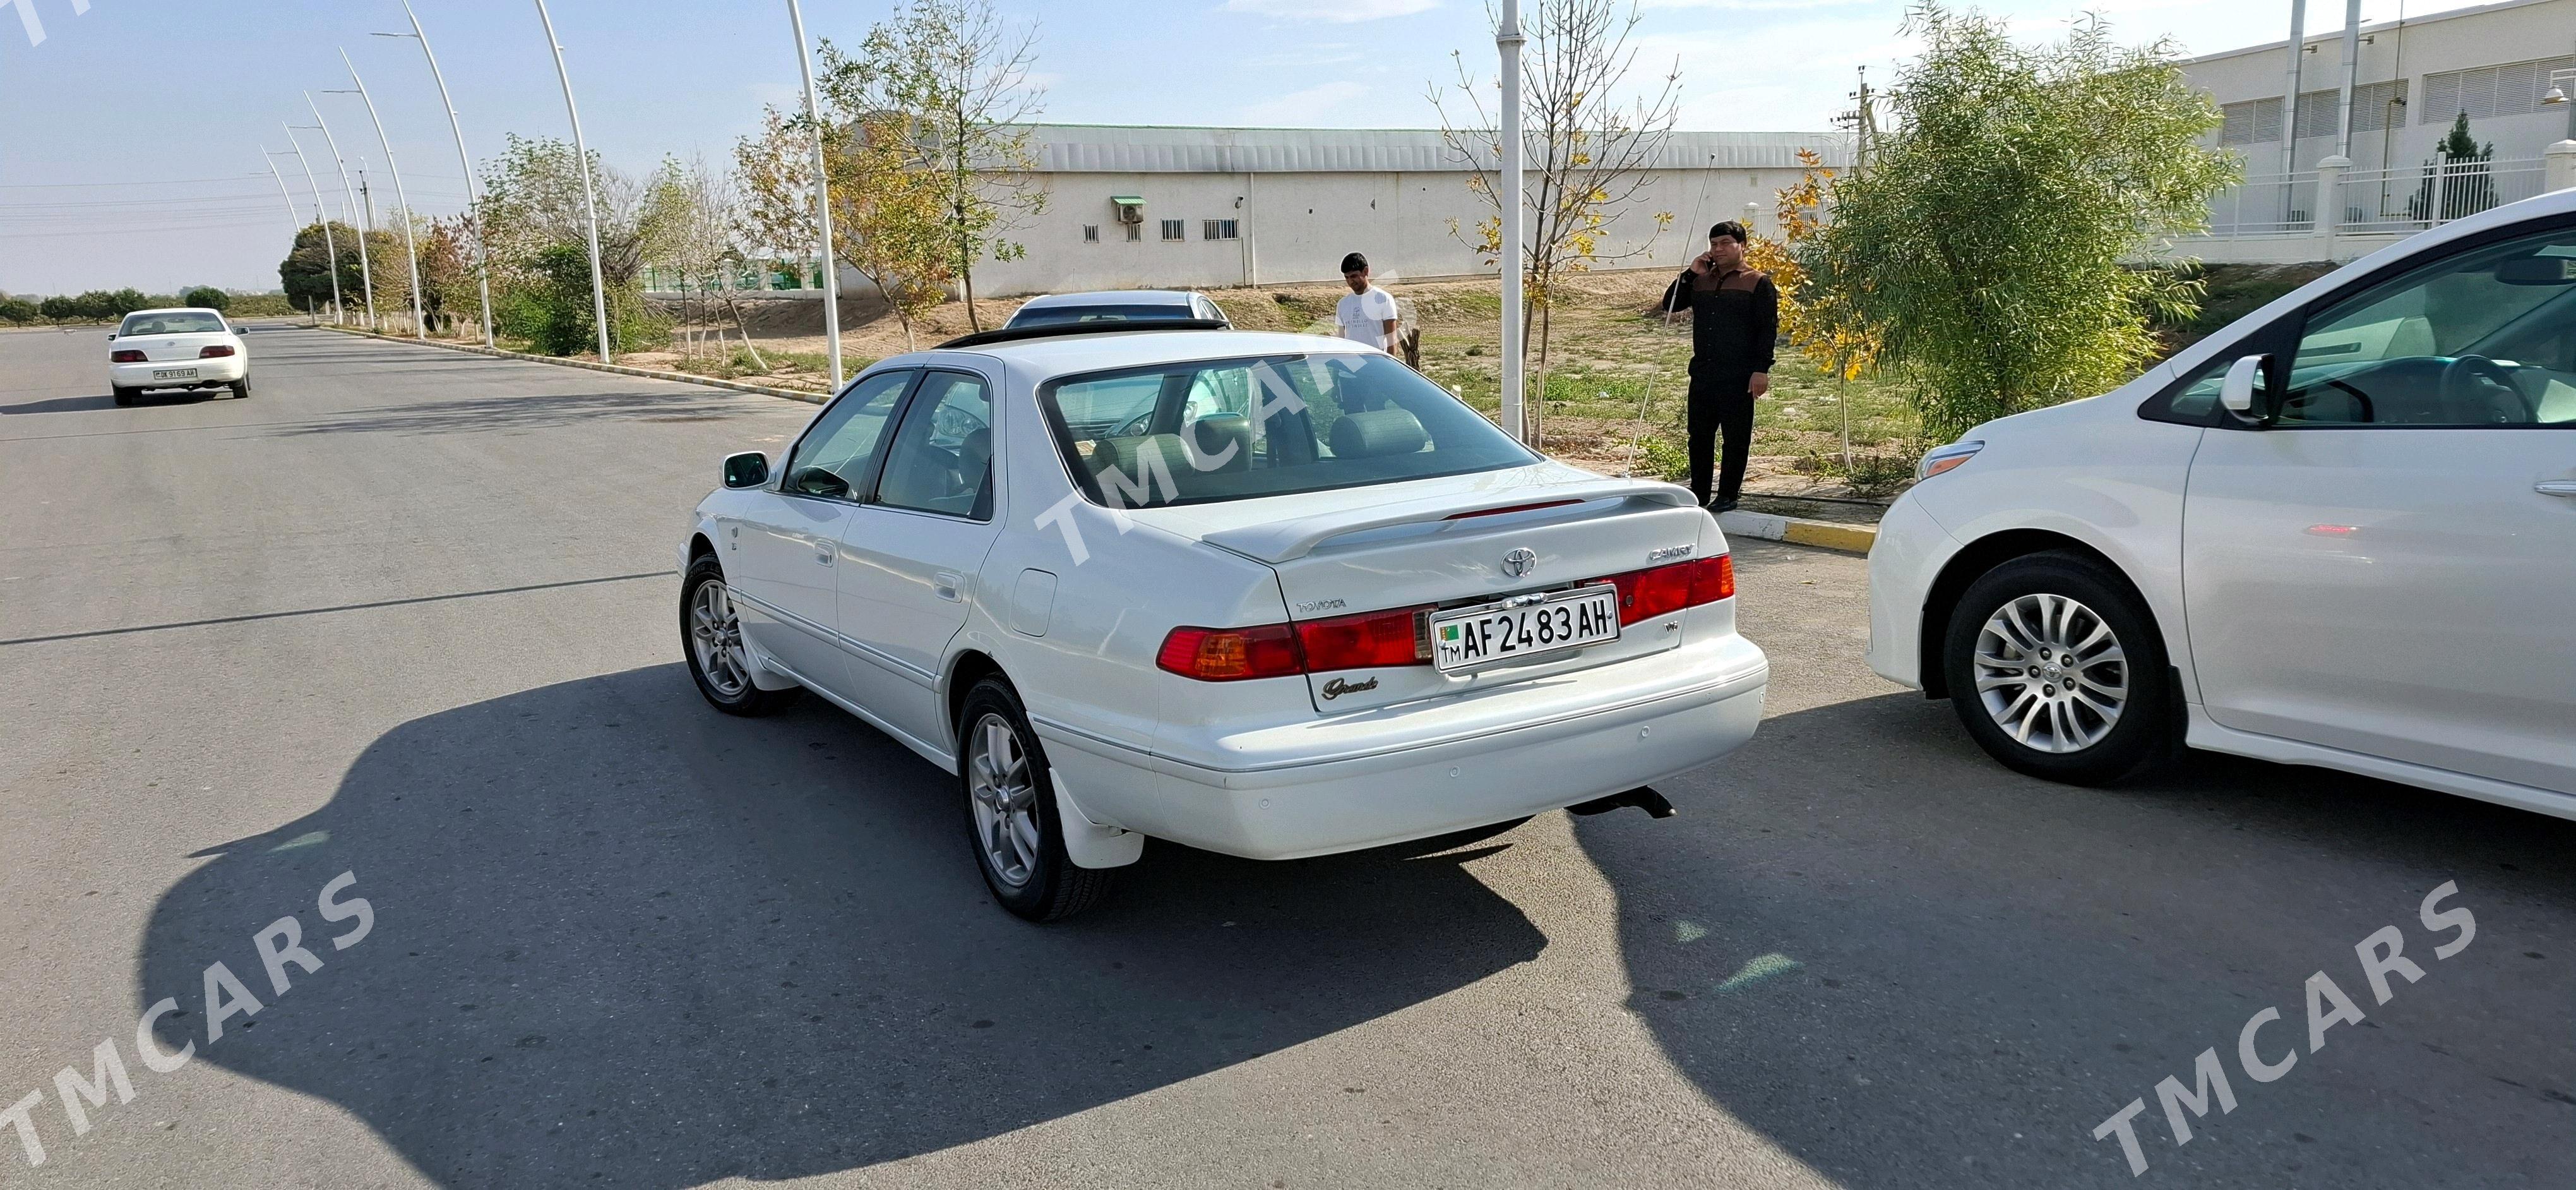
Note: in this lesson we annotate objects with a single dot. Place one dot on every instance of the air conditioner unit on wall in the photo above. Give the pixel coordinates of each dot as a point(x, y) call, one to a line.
point(1130, 209)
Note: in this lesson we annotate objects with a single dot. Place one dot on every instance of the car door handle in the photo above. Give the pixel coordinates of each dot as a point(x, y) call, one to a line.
point(2556, 487)
point(946, 583)
point(823, 553)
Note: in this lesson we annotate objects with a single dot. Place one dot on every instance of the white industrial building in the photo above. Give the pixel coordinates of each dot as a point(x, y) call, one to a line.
point(2374, 160)
point(1131, 207)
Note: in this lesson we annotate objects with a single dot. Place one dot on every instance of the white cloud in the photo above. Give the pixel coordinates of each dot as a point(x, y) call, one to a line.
point(1340, 12)
point(1301, 109)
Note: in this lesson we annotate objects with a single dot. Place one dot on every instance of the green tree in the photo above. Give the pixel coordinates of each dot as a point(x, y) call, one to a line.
point(59, 309)
point(205, 295)
point(305, 274)
point(946, 90)
point(2001, 243)
point(18, 311)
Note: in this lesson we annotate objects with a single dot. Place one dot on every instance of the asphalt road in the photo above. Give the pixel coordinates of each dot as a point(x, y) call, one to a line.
point(408, 614)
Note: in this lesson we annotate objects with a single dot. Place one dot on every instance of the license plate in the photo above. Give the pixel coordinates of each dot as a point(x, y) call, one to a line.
point(1477, 636)
point(174, 373)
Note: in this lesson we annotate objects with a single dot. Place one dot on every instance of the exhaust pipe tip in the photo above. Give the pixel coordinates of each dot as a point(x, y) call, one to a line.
point(1642, 797)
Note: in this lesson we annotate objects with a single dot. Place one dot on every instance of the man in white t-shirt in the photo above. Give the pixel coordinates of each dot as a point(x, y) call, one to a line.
point(1367, 314)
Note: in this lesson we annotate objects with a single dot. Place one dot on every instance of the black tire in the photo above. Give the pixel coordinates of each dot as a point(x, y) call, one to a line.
point(241, 389)
point(731, 691)
point(122, 395)
point(2058, 725)
point(1051, 888)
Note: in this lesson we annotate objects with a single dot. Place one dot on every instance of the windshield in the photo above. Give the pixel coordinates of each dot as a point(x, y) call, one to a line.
point(173, 322)
point(1067, 315)
point(1231, 429)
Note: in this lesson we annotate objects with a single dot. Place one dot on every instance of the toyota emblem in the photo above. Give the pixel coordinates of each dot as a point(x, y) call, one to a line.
point(1520, 562)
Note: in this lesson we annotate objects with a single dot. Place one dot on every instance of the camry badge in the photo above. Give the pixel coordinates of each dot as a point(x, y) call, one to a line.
point(1520, 562)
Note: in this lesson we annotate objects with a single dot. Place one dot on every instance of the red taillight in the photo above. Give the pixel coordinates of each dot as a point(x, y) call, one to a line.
point(1230, 654)
point(125, 357)
point(218, 351)
point(1370, 640)
point(1645, 594)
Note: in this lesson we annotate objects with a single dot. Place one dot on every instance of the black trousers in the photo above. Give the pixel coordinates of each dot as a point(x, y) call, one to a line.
point(1720, 402)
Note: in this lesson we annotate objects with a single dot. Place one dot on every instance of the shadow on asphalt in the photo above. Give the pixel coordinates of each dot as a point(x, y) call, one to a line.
point(1910, 967)
point(59, 405)
point(512, 414)
point(623, 940)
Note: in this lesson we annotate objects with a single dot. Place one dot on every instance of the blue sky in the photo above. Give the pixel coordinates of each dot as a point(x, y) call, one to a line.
point(130, 139)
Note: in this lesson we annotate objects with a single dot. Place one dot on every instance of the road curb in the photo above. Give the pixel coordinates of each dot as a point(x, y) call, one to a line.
point(1850, 539)
point(620, 369)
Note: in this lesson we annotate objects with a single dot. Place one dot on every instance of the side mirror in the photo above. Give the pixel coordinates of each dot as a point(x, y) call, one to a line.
point(2236, 393)
point(749, 469)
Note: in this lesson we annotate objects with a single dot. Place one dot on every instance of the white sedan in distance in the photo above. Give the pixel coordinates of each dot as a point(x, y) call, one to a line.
point(1264, 594)
point(1117, 305)
point(191, 348)
point(2339, 532)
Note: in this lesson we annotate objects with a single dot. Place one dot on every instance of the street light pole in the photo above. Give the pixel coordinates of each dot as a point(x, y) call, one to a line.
point(329, 243)
point(419, 324)
point(473, 195)
point(589, 203)
point(293, 220)
point(1507, 43)
point(366, 271)
point(822, 195)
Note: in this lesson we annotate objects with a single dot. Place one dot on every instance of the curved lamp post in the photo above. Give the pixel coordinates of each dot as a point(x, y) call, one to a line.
point(589, 203)
point(473, 195)
point(366, 271)
point(419, 325)
point(329, 242)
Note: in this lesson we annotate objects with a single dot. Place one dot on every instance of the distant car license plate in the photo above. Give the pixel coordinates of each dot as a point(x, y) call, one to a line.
point(1475, 636)
point(174, 373)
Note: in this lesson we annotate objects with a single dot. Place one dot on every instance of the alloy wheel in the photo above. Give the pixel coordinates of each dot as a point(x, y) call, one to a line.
point(715, 637)
point(1005, 795)
point(2051, 673)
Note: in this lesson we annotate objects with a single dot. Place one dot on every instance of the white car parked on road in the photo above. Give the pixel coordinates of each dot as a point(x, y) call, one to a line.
point(2339, 532)
point(1269, 595)
point(1117, 305)
point(180, 348)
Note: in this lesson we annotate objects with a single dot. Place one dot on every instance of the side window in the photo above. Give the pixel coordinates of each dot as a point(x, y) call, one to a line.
point(2480, 339)
point(832, 460)
point(942, 458)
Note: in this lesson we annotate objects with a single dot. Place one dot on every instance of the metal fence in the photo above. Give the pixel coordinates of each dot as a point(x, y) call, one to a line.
point(2405, 198)
point(2415, 197)
point(2267, 205)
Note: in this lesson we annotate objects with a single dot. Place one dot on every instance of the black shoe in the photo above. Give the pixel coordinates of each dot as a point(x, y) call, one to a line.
point(1723, 504)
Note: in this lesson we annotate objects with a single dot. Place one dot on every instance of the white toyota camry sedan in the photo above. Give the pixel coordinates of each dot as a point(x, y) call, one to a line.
point(190, 348)
point(2340, 532)
point(1269, 595)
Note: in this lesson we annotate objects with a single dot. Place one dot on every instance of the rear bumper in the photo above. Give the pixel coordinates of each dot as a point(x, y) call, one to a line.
point(210, 372)
point(1703, 702)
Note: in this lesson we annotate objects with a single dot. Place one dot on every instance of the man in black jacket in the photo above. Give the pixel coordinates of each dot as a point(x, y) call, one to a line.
point(1735, 319)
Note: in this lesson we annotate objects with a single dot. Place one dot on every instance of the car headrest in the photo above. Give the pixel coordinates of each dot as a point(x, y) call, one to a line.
point(1223, 435)
point(1389, 431)
point(1131, 456)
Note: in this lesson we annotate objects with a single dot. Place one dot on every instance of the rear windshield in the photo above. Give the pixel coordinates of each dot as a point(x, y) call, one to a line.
point(1231, 429)
point(1067, 315)
point(173, 322)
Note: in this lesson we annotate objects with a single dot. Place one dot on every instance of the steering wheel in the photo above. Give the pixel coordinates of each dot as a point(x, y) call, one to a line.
point(2456, 393)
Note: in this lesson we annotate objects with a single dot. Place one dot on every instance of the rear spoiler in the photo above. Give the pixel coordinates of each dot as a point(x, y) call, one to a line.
point(1283, 541)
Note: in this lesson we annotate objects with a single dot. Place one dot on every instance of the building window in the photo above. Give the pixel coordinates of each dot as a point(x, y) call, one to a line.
point(2252, 122)
point(1217, 229)
point(2512, 89)
point(2377, 107)
point(1172, 230)
point(1091, 233)
point(1135, 232)
point(2320, 113)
